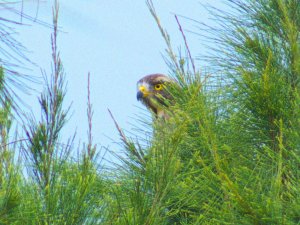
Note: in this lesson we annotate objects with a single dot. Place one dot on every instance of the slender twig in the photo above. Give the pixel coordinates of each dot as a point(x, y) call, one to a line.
point(13, 142)
point(22, 10)
point(186, 44)
point(57, 73)
point(127, 143)
point(121, 133)
point(164, 34)
point(24, 16)
point(90, 117)
point(37, 10)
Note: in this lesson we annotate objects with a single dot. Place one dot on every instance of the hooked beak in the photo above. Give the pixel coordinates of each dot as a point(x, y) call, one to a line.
point(142, 93)
point(139, 95)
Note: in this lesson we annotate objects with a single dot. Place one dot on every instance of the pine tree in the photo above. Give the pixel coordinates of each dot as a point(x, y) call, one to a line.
point(42, 183)
point(228, 155)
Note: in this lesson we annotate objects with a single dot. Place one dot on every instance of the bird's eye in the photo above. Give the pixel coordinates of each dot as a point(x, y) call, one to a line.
point(158, 87)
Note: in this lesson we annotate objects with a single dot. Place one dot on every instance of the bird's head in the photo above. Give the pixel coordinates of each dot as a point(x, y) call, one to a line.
point(151, 91)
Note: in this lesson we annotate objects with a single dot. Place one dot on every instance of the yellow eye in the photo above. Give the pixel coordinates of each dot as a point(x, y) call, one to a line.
point(158, 87)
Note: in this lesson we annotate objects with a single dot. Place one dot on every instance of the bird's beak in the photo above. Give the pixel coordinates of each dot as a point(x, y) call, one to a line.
point(142, 93)
point(139, 95)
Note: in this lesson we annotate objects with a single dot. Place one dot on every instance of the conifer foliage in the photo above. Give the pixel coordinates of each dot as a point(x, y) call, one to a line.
point(228, 154)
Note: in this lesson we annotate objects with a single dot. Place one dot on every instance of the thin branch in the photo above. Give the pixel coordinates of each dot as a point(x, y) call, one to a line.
point(164, 33)
point(127, 143)
point(90, 149)
point(13, 142)
point(186, 44)
point(22, 11)
point(121, 133)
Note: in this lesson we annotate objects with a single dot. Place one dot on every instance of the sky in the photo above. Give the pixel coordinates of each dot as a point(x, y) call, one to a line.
point(118, 42)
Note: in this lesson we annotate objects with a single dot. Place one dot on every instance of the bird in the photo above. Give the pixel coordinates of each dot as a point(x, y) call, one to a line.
point(151, 91)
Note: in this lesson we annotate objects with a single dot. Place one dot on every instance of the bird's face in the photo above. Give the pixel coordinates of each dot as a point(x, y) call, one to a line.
point(151, 90)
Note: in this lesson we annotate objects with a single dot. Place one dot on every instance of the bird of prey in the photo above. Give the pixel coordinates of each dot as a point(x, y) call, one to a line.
point(151, 91)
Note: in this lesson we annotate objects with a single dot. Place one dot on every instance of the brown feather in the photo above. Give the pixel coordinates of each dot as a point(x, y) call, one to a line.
point(155, 98)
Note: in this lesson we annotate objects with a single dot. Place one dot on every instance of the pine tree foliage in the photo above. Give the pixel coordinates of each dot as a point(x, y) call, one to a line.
point(13, 58)
point(228, 154)
point(52, 187)
point(265, 117)
point(10, 196)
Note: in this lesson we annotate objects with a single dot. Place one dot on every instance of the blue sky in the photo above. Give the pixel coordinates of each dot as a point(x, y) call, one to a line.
point(118, 42)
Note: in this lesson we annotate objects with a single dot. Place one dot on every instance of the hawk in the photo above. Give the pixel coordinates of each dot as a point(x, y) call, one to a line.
point(151, 91)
